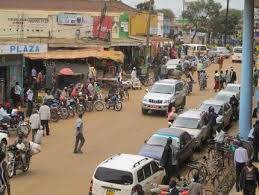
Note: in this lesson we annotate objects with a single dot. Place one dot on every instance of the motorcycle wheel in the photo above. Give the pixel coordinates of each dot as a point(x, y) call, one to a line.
point(89, 107)
point(99, 105)
point(10, 166)
point(54, 117)
point(27, 166)
point(71, 112)
point(80, 109)
point(118, 106)
point(64, 113)
point(25, 129)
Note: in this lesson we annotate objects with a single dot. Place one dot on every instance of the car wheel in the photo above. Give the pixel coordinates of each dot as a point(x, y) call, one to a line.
point(144, 111)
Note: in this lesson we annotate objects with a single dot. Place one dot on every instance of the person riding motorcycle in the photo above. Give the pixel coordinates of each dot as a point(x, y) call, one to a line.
point(234, 104)
point(23, 147)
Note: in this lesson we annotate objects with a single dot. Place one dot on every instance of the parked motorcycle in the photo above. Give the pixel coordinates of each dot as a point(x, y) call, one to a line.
point(14, 160)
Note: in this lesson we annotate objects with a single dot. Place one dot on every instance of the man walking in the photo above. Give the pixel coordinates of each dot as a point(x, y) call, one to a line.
point(29, 95)
point(17, 95)
point(80, 140)
point(256, 141)
point(233, 75)
point(45, 117)
point(249, 179)
point(166, 160)
point(35, 123)
point(240, 159)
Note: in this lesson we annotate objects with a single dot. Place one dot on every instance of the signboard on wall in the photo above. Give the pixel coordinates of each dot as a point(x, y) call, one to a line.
point(70, 19)
point(23, 48)
point(125, 26)
point(102, 28)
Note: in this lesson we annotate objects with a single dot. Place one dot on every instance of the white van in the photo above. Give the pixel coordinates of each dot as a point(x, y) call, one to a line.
point(237, 54)
point(194, 49)
point(121, 174)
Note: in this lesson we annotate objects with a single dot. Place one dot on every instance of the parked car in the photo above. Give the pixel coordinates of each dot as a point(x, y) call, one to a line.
point(237, 54)
point(162, 93)
point(218, 52)
point(235, 88)
point(173, 63)
point(224, 96)
point(122, 173)
point(196, 123)
point(223, 109)
point(194, 49)
point(182, 140)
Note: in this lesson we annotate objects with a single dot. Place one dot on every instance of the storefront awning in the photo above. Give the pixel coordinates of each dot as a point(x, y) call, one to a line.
point(120, 42)
point(77, 54)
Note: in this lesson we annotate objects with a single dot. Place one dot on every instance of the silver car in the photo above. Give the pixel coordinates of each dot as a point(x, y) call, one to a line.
point(223, 109)
point(162, 93)
point(224, 96)
point(235, 88)
point(219, 51)
point(196, 123)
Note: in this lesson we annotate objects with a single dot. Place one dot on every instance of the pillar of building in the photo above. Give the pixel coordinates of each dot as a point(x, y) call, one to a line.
point(245, 119)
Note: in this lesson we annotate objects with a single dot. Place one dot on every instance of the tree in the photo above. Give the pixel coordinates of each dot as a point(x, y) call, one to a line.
point(201, 14)
point(168, 13)
point(145, 5)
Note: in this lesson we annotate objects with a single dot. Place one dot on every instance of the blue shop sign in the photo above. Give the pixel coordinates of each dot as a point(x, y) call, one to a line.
point(23, 48)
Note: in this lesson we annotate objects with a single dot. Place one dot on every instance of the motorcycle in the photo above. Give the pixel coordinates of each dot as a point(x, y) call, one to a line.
point(14, 160)
point(57, 111)
point(114, 102)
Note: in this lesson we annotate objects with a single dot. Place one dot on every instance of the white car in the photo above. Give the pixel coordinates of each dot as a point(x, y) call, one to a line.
point(121, 174)
point(237, 54)
point(3, 138)
point(219, 51)
point(173, 63)
point(162, 93)
point(235, 88)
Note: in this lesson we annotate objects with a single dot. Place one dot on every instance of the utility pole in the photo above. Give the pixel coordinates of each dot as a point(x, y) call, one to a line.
point(226, 24)
point(148, 32)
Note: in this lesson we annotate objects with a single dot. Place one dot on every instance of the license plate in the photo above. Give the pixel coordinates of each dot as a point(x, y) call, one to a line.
point(110, 192)
point(153, 106)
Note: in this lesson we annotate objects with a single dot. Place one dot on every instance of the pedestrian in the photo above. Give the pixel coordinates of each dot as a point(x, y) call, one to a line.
point(39, 80)
point(33, 72)
point(256, 141)
point(29, 94)
point(17, 95)
point(133, 75)
point(166, 160)
point(80, 140)
point(216, 81)
point(163, 71)
point(233, 75)
point(171, 114)
point(222, 80)
point(240, 159)
point(35, 124)
point(195, 188)
point(175, 165)
point(249, 179)
point(172, 188)
point(227, 75)
point(44, 113)
point(213, 120)
point(220, 62)
point(255, 78)
point(4, 178)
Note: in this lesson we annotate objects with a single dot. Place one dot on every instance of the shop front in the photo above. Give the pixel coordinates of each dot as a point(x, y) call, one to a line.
point(12, 66)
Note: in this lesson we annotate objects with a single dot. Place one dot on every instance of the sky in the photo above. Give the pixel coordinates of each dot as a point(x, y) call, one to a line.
point(177, 5)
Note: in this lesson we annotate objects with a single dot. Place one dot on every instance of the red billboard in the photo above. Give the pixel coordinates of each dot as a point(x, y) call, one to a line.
point(102, 27)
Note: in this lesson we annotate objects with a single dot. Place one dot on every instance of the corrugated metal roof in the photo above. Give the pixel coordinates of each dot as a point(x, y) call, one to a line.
point(66, 5)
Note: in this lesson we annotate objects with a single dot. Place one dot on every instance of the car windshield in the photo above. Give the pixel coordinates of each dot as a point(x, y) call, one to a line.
point(113, 176)
point(201, 48)
point(232, 88)
point(217, 108)
point(237, 50)
point(161, 88)
point(184, 122)
point(222, 97)
point(161, 139)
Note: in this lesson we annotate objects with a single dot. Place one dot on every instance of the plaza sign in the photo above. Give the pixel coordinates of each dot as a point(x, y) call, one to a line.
point(23, 48)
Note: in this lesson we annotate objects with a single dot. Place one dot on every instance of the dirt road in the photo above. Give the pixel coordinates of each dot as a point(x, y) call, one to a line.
point(57, 171)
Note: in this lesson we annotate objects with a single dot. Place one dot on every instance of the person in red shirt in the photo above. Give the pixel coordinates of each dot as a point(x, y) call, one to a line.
point(75, 92)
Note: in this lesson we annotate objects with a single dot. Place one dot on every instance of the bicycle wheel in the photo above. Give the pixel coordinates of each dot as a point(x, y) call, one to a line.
point(54, 117)
point(98, 105)
point(118, 106)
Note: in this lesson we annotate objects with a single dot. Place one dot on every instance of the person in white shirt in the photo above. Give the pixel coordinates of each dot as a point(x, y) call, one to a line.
point(134, 75)
point(45, 117)
point(240, 159)
point(17, 94)
point(35, 123)
point(29, 95)
point(33, 72)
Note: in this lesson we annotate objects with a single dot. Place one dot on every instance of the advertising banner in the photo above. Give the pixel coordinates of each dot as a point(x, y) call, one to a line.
point(70, 19)
point(23, 48)
point(102, 27)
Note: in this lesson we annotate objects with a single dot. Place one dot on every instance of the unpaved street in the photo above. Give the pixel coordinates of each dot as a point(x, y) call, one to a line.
point(57, 171)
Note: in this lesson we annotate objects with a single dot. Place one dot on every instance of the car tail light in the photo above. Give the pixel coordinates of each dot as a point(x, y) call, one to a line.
point(91, 187)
